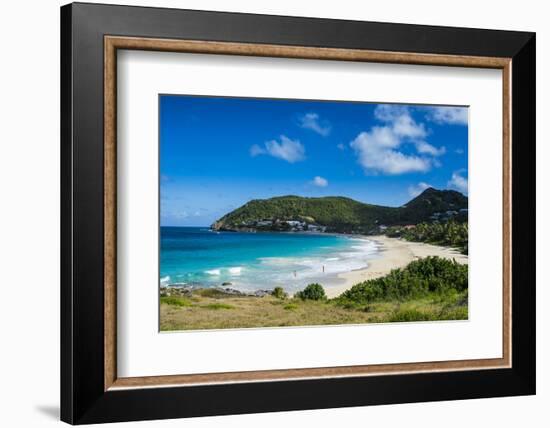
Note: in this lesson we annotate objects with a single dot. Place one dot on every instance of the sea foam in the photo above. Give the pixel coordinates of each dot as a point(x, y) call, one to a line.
point(235, 270)
point(296, 272)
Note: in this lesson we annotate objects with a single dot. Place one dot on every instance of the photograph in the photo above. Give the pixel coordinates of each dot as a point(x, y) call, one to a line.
point(283, 212)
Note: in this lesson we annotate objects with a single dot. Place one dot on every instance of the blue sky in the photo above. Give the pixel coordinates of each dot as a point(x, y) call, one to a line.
point(218, 153)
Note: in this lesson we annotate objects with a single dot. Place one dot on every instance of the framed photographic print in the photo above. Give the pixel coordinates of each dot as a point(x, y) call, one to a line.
point(265, 213)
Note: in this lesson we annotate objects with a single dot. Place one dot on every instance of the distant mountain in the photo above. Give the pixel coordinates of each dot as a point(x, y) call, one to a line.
point(339, 214)
point(432, 201)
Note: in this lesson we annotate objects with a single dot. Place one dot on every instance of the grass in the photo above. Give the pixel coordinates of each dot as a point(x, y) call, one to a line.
point(407, 315)
point(175, 301)
point(213, 293)
point(269, 311)
point(216, 306)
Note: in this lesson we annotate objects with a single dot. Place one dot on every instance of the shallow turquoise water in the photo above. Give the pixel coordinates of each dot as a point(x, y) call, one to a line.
point(252, 261)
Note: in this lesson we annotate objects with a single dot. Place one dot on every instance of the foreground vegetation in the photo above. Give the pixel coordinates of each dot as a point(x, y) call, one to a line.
point(431, 275)
point(426, 290)
point(450, 233)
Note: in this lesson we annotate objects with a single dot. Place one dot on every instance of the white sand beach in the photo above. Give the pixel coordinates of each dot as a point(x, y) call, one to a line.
point(393, 253)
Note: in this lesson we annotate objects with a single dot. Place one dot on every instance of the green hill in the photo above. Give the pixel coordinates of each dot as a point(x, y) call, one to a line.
point(432, 201)
point(337, 214)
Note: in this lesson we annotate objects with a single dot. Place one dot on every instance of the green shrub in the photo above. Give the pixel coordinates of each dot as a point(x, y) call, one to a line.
point(290, 307)
point(279, 293)
point(449, 296)
point(312, 292)
point(214, 293)
point(431, 275)
point(407, 315)
point(350, 304)
point(448, 313)
point(454, 313)
point(175, 301)
point(394, 231)
point(217, 306)
point(450, 233)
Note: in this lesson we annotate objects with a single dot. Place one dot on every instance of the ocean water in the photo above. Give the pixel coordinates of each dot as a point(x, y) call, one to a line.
point(258, 261)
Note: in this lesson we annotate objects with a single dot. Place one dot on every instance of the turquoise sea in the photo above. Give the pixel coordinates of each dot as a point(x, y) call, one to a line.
point(257, 261)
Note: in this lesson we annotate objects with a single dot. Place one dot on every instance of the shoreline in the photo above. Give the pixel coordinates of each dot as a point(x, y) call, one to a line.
point(393, 253)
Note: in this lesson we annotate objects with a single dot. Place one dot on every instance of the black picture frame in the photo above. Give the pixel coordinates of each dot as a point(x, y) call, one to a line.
point(83, 398)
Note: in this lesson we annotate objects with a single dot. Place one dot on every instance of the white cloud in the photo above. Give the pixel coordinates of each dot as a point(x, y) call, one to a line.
point(458, 182)
point(448, 115)
point(389, 112)
point(256, 150)
point(417, 189)
point(319, 181)
point(376, 152)
point(400, 120)
point(426, 148)
point(341, 146)
point(459, 151)
point(312, 121)
point(378, 149)
point(287, 149)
